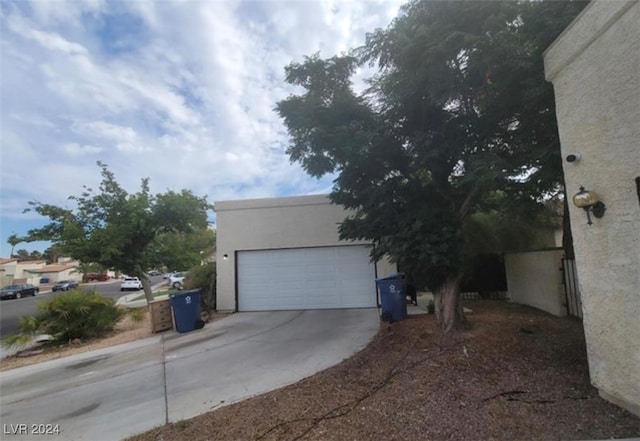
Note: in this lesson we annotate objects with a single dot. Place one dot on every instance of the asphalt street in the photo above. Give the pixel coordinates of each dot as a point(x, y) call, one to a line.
point(12, 310)
point(116, 392)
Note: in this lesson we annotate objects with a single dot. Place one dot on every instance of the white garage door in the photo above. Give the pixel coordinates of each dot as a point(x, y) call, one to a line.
point(306, 278)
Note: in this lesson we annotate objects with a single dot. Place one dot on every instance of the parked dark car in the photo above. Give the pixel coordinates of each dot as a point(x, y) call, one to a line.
point(65, 285)
point(18, 291)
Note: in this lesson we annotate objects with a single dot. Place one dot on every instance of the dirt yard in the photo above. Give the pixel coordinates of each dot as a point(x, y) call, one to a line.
point(519, 374)
point(125, 331)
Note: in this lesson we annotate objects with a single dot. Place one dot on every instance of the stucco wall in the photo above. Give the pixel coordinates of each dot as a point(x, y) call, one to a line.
point(10, 269)
point(595, 70)
point(292, 222)
point(21, 271)
point(534, 278)
point(24, 269)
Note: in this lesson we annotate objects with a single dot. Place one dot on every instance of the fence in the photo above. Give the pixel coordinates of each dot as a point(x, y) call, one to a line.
point(571, 288)
point(534, 280)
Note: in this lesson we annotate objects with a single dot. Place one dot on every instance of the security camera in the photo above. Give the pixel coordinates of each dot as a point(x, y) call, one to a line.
point(573, 157)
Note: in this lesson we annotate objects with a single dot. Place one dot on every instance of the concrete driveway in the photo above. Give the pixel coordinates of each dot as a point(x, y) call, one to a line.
point(120, 391)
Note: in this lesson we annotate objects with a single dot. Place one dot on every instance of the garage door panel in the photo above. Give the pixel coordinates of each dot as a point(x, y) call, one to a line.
point(320, 302)
point(325, 285)
point(352, 285)
point(305, 278)
point(322, 269)
point(348, 253)
point(316, 254)
point(353, 268)
point(294, 285)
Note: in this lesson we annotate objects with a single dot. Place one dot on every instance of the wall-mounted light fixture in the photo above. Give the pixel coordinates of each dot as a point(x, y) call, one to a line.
point(590, 202)
point(225, 257)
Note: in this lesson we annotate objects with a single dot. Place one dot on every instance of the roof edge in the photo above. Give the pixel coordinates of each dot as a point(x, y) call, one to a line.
point(289, 201)
point(595, 19)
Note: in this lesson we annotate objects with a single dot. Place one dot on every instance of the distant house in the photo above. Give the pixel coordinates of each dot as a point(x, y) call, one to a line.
point(14, 271)
point(57, 272)
point(32, 271)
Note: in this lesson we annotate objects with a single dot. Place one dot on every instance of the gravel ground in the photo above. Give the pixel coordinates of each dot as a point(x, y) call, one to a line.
point(519, 374)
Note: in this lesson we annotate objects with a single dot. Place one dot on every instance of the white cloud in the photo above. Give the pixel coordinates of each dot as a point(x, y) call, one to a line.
point(181, 92)
point(125, 139)
point(74, 149)
point(66, 14)
point(48, 40)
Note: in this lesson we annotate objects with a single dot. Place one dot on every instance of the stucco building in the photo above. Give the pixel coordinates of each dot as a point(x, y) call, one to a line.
point(594, 66)
point(285, 253)
point(14, 271)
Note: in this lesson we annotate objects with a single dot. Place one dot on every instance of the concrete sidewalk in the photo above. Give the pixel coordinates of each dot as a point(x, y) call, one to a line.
point(123, 390)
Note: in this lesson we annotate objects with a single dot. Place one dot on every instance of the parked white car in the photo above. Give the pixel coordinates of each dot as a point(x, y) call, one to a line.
point(130, 284)
point(176, 280)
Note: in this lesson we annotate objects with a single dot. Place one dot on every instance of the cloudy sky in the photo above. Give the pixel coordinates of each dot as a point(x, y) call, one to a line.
point(181, 92)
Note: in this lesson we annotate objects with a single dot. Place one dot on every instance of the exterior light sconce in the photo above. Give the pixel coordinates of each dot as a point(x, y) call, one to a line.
point(225, 257)
point(590, 202)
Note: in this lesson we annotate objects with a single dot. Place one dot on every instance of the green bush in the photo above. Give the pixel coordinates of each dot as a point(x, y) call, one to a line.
point(73, 314)
point(203, 277)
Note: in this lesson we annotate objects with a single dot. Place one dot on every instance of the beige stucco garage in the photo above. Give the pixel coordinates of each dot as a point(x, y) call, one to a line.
point(285, 254)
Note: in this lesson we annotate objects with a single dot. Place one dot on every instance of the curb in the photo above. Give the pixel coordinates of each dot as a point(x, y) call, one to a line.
point(128, 302)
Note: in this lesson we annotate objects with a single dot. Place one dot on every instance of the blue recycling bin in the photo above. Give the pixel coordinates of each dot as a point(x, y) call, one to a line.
point(186, 310)
point(393, 291)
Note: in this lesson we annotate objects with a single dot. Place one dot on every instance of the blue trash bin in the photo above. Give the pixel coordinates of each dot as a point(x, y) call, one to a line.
point(186, 310)
point(393, 291)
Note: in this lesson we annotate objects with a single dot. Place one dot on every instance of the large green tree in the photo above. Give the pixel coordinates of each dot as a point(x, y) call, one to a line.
point(116, 229)
point(179, 251)
point(458, 112)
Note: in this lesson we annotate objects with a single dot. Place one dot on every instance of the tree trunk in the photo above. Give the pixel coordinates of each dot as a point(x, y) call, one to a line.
point(146, 285)
point(449, 312)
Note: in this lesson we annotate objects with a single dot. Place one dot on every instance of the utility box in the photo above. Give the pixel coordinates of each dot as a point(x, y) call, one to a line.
point(160, 311)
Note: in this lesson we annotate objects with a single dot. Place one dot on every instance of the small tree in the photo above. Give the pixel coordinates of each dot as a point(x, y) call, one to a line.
point(23, 254)
point(52, 254)
point(115, 229)
point(203, 277)
point(13, 240)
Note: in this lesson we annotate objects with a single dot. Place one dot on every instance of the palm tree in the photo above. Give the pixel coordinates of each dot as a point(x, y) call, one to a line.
point(13, 240)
